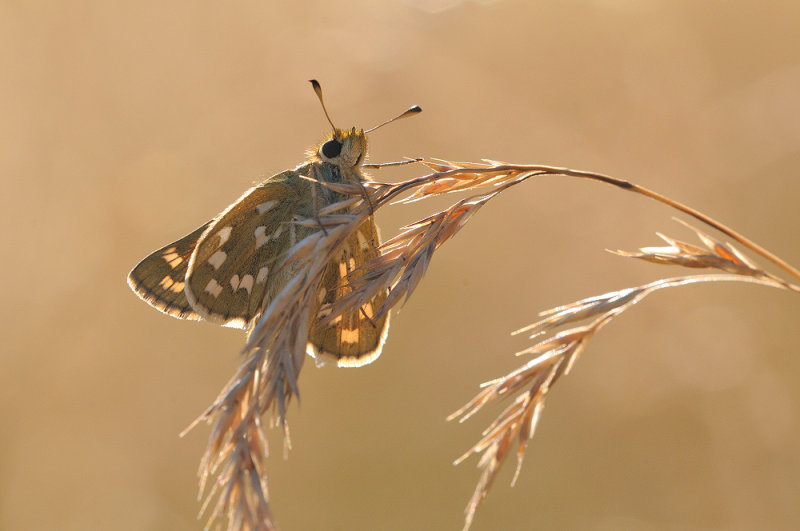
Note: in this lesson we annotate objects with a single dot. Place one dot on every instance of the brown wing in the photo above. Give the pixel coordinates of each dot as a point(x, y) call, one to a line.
point(223, 271)
point(159, 278)
point(231, 269)
point(356, 339)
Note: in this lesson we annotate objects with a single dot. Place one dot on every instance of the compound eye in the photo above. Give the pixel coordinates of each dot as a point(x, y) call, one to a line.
point(331, 148)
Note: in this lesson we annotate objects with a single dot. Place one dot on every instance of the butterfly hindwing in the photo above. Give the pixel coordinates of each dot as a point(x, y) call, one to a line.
point(352, 339)
point(159, 278)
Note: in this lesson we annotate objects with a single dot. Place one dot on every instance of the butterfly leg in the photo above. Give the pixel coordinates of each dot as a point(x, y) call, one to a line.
point(365, 194)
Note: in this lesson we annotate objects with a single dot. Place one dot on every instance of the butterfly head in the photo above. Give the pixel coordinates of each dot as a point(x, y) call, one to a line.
point(344, 148)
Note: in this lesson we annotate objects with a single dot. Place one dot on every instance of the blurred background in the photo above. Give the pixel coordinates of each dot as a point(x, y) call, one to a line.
point(126, 125)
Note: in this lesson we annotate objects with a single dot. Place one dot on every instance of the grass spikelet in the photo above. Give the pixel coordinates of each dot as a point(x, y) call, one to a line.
point(233, 466)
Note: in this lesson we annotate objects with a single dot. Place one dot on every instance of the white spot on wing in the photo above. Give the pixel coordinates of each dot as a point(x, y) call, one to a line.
point(224, 234)
point(234, 282)
point(277, 232)
point(362, 241)
point(177, 287)
point(264, 207)
point(217, 259)
point(350, 335)
point(261, 238)
point(212, 288)
point(246, 283)
point(262, 275)
point(173, 259)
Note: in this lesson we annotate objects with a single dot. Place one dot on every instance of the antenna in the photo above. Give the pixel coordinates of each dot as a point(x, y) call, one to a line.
point(318, 91)
point(416, 109)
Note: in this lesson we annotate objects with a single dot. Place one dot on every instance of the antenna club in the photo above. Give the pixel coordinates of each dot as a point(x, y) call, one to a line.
point(416, 109)
point(318, 92)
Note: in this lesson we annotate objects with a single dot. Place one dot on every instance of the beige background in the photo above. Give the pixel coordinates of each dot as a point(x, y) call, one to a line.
point(126, 125)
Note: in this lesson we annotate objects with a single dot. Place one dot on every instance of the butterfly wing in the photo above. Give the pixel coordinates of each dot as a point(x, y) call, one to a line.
point(231, 269)
point(356, 339)
point(224, 271)
point(159, 279)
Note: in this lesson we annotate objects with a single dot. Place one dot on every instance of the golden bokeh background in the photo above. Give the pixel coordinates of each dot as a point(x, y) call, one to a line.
point(126, 125)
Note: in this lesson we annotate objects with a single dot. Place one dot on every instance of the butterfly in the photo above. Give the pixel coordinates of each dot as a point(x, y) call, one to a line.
point(229, 269)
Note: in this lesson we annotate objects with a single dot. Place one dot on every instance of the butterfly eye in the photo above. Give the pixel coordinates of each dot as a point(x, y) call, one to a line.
point(331, 148)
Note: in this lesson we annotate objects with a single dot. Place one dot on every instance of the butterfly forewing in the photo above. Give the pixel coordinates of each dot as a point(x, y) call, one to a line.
point(159, 278)
point(232, 270)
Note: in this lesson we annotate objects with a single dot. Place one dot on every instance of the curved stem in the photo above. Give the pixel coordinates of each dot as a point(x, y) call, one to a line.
point(627, 185)
point(620, 183)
